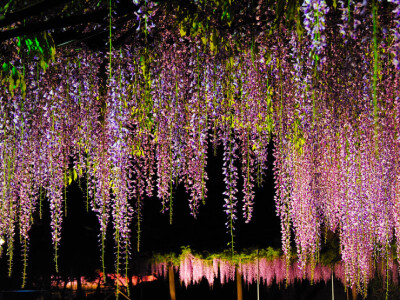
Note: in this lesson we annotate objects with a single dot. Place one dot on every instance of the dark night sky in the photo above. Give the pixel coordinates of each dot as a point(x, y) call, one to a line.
point(208, 231)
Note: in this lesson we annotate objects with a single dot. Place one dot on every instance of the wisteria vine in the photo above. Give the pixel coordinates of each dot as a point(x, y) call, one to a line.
point(135, 122)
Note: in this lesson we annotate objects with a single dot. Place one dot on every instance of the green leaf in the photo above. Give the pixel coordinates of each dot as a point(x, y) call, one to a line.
point(37, 46)
point(23, 87)
point(43, 64)
point(5, 67)
point(182, 31)
point(65, 178)
point(213, 42)
point(223, 15)
point(29, 44)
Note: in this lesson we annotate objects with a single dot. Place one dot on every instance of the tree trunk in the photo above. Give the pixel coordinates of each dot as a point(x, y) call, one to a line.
point(333, 287)
point(258, 277)
point(79, 287)
point(239, 285)
point(171, 278)
point(354, 292)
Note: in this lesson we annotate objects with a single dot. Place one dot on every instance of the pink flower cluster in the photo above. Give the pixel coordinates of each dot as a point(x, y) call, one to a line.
point(192, 270)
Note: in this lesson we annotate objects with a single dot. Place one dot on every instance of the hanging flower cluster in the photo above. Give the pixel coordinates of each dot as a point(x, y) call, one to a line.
point(143, 124)
point(314, 23)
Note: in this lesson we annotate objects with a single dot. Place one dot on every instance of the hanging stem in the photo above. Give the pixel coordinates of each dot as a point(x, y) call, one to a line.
point(127, 264)
point(110, 38)
point(139, 220)
point(376, 70)
point(200, 112)
point(117, 260)
point(230, 126)
point(25, 261)
point(56, 251)
point(171, 176)
point(10, 254)
point(65, 190)
point(103, 265)
point(287, 227)
point(40, 203)
point(230, 200)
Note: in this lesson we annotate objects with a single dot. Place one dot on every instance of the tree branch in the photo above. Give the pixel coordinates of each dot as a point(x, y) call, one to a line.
point(30, 11)
point(97, 16)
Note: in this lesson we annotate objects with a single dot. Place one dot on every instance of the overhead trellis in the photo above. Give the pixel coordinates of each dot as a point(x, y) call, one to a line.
point(133, 111)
